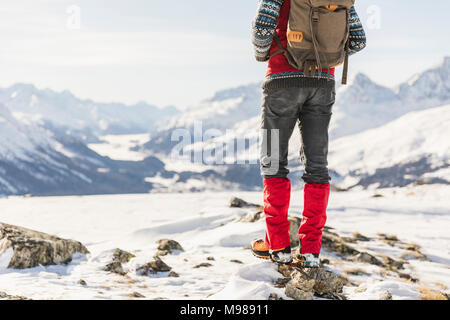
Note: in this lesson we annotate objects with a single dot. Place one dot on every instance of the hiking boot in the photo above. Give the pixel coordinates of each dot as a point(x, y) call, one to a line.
point(308, 260)
point(282, 256)
point(260, 250)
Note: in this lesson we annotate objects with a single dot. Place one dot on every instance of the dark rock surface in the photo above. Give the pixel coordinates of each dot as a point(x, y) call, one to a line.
point(153, 267)
point(33, 248)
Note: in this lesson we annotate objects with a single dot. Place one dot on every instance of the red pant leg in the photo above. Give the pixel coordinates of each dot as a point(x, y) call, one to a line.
point(314, 217)
point(277, 195)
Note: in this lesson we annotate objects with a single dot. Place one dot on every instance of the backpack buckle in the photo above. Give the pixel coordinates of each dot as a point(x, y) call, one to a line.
point(315, 15)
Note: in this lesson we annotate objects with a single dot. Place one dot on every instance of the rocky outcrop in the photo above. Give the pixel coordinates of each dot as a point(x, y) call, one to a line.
point(122, 256)
point(239, 203)
point(167, 246)
point(5, 296)
point(115, 267)
point(153, 267)
point(251, 217)
point(119, 256)
point(307, 283)
point(33, 248)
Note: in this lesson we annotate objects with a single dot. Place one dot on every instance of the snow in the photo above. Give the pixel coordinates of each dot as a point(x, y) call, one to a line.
point(411, 137)
point(120, 147)
point(205, 226)
point(5, 258)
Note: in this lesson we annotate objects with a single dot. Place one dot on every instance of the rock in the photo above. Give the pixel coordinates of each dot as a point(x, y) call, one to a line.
point(293, 230)
point(413, 252)
point(5, 296)
point(285, 270)
point(169, 245)
point(33, 248)
point(407, 277)
point(122, 256)
point(377, 195)
point(323, 282)
point(173, 274)
point(153, 267)
point(356, 272)
point(236, 261)
point(82, 282)
point(136, 295)
point(210, 259)
point(392, 264)
point(239, 203)
point(359, 237)
point(325, 261)
point(162, 253)
point(274, 297)
point(251, 217)
point(203, 265)
point(282, 282)
point(368, 258)
point(298, 294)
point(393, 238)
point(115, 267)
point(386, 295)
point(333, 242)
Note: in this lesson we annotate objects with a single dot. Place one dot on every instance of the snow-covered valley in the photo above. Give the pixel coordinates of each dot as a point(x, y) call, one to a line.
point(205, 226)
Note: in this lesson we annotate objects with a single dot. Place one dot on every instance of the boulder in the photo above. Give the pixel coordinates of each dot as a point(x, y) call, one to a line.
point(115, 267)
point(122, 256)
point(33, 248)
point(305, 283)
point(153, 267)
point(386, 296)
point(298, 294)
point(251, 217)
point(325, 282)
point(239, 203)
point(167, 246)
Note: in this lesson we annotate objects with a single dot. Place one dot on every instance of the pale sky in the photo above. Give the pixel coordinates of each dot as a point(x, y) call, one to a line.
point(179, 52)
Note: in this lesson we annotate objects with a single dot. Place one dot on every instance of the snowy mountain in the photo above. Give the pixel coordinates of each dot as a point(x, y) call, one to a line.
point(34, 160)
point(81, 117)
point(55, 143)
point(413, 148)
point(362, 105)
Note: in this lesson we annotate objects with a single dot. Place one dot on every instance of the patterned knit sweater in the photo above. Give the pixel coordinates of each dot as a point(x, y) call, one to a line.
point(266, 22)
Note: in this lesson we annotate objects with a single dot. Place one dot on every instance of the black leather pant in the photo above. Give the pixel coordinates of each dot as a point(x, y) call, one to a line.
point(282, 109)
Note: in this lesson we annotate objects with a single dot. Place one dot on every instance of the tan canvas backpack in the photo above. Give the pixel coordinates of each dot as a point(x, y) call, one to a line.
point(318, 33)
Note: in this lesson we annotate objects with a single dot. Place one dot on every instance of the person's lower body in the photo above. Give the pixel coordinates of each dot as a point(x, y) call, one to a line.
point(282, 109)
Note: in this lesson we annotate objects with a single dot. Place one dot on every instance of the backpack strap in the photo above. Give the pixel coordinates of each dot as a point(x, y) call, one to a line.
point(281, 49)
point(345, 70)
point(347, 49)
point(314, 18)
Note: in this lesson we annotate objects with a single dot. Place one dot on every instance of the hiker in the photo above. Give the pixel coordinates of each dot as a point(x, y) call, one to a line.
point(303, 41)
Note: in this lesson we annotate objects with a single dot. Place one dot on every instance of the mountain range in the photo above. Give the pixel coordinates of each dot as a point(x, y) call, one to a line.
point(380, 137)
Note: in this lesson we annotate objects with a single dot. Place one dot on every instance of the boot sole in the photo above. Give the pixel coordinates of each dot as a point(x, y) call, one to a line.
point(259, 256)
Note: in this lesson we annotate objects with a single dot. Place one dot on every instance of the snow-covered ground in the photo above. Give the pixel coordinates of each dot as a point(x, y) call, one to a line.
point(206, 227)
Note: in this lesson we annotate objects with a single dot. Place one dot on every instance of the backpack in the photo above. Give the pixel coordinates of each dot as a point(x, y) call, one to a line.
point(317, 35)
